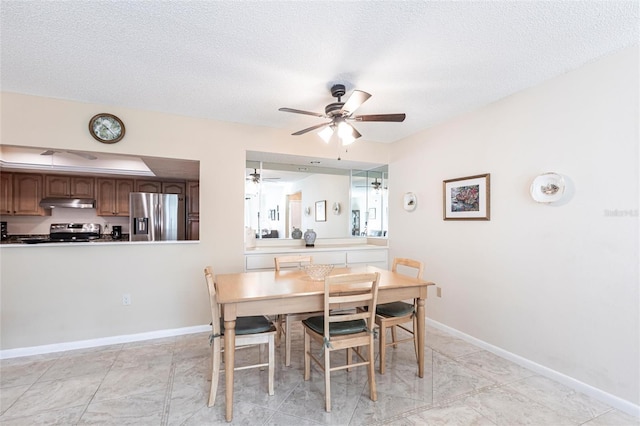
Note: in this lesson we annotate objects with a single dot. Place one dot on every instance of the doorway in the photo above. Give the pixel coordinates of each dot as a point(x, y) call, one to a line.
point(294, 213)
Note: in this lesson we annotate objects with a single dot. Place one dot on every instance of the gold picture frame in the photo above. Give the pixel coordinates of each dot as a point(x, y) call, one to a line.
point(467, 198)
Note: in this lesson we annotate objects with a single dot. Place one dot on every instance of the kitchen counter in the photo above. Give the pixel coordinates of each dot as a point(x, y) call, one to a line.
point(304, 249)
point(16, 241)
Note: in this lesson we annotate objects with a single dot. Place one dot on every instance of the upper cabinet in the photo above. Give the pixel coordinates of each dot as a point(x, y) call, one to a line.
point(157, 186)
point(6, 193)
point(113, 196)
point(193, 210)
point(154, 186)
point(21, 194)
point(69, 186)
point(174, 188)
point(193, 198)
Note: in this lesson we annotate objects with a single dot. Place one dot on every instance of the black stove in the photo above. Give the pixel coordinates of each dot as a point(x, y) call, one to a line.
point(68, 233)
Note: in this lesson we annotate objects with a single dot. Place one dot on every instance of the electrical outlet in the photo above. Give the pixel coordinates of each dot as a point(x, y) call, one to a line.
point(439, 291)
point(126, 299)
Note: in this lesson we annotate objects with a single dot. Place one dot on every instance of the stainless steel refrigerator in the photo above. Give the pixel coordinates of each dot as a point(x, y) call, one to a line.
point(156, 217)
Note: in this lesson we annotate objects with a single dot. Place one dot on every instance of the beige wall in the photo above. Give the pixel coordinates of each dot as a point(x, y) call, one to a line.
point(65, 294)
point(557, 285)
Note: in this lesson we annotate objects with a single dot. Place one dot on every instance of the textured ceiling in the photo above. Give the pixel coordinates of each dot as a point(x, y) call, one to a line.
point(240, 61)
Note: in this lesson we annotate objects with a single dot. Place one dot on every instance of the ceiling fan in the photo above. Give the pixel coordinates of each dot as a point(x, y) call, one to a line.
point(341, 114)
point(84, 155)
point(255, 177)
point(375, 184)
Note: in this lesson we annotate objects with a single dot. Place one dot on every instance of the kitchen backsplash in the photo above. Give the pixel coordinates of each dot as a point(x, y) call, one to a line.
point(27, 225)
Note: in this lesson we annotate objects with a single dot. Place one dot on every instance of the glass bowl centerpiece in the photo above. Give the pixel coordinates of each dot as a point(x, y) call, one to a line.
point(317, 271)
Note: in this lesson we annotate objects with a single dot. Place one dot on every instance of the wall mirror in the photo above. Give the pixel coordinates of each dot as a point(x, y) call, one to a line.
point(370, 202)
point(282, 192)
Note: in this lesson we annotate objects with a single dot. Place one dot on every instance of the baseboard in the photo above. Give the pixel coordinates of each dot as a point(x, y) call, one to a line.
point(607, 398)
point(105, 341)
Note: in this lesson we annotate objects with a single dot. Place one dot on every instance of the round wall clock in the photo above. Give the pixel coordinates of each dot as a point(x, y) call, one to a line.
point(106, 128)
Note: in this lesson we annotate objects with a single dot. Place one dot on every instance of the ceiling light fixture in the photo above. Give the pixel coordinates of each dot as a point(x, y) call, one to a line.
point(340, 114)
point(326, 133)
point(345, 133)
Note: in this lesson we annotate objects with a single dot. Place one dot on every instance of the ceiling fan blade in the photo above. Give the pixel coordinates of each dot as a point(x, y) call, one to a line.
point(380, 117)
point(357, 98)
point(309, 129)
point(299, 111)
point(356, 134)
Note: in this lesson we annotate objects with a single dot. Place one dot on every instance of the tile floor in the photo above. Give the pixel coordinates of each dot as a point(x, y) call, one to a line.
point(164, 382)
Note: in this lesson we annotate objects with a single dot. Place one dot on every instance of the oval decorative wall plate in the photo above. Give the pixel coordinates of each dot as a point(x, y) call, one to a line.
point(547, 188)
point(410, 201)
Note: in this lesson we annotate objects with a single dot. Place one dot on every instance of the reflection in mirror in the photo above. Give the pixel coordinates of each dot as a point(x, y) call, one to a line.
point(281, 192)
point(369, 202)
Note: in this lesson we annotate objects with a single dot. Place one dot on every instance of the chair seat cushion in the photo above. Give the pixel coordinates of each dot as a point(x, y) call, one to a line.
point(337, 328)
point(250, 325)
point(394, 309)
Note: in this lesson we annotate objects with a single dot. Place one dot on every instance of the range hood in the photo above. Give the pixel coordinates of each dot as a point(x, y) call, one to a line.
point(73, 203)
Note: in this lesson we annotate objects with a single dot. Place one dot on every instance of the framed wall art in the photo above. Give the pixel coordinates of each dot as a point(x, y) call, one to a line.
point(321, 211)
point(467, 198)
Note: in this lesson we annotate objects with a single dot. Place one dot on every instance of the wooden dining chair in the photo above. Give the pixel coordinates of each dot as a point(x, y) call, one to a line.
point(337, 330)
point(250, 331)
point(285, 321)
point(397, 314)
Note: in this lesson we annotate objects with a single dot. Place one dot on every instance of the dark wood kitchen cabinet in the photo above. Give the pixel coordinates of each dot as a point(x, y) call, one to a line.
point(69, 186)
point(154, 186)
point(21, 194)
point(174, 188)
point(6, 193)
point(157, 186)
point(113, 196)
point(193, 210)
point(193, 229)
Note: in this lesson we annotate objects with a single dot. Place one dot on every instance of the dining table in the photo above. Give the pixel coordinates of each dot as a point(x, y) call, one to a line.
point(288, 291)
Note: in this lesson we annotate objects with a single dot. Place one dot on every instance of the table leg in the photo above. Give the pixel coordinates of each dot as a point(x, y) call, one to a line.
point(421, 331)
point(229, 362)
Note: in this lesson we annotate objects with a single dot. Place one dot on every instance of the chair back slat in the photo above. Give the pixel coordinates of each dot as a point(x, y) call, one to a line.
point(213, 299)
point(408, 263)
point(350, 288)
point(349, 317)
point(293, 261)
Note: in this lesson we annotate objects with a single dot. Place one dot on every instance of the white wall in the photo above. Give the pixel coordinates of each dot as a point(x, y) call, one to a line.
point(54, 295)
point(329, 188)
point(557, 285)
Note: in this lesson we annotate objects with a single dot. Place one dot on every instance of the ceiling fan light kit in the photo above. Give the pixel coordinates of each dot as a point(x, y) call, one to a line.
point(341, 113)
point(326, 134)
